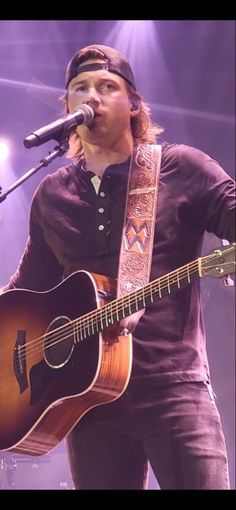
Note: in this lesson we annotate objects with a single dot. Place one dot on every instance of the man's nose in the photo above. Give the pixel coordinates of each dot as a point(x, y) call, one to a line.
point(93, 98)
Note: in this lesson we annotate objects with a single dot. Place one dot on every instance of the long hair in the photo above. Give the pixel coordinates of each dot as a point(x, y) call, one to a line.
point(143, 129)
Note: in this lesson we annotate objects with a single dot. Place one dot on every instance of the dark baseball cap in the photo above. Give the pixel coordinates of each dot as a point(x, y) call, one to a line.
point(114, 62)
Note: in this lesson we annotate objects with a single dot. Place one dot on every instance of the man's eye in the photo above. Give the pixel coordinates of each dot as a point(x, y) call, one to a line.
point(78, 89)
point(108, 86)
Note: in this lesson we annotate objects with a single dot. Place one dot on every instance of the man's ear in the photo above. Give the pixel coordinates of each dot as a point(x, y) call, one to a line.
point(134, 107)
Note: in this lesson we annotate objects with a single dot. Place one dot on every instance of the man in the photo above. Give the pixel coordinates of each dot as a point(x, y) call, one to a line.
point(167, 414)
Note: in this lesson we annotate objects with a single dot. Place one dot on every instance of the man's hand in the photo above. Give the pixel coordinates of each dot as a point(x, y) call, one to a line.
point(130, 323)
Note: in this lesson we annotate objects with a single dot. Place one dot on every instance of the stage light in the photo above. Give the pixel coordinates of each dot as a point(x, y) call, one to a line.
point(4, 151)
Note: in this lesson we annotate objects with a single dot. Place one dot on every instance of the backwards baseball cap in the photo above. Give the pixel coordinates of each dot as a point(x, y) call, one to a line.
point(114, 62)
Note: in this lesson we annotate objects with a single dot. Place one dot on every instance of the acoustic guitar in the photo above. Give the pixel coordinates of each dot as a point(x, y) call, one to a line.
point(61, 353)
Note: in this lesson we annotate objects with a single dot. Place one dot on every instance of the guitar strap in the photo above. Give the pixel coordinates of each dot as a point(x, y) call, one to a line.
point(139, 220)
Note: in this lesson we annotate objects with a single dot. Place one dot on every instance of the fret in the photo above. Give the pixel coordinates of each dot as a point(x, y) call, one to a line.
point(76, 332)
point(92, 327)
point(199, 266)
point(96, 322)
point(81, 337)
point(140, 297)
point(168, 284)
point(84, 326)
point(151, 289)
point(123, 308)
point(159, 288)
point(178, 282)
point(117, 312)
point(188, 273)
point(88, 327)
point(81, 334)
point(143, 298)
point(110, 319)
point(130, 311)
point(101, 322)
point(106, 318)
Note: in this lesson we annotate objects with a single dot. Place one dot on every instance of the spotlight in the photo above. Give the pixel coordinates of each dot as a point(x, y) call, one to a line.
point(4, 151)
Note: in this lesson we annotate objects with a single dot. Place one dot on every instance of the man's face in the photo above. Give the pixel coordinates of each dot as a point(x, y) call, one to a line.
point(106, 93)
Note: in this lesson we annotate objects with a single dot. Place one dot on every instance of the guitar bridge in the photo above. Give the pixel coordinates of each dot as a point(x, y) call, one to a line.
point(20, 361)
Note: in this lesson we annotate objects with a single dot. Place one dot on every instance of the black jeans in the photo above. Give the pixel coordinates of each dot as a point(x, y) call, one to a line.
point(178, 430)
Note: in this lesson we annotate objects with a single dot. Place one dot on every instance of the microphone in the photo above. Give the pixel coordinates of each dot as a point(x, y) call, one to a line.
point(61, 128)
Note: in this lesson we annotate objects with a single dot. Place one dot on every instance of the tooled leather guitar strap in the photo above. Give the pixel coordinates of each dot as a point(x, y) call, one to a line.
point(139, 221)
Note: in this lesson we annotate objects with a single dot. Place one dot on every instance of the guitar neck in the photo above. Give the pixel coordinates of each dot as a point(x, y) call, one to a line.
point(218, 262)
point(154, 290)
point(114, 311)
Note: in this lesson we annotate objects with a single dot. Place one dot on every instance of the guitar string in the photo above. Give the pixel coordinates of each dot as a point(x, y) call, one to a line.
point(34, 352)
point(90, 315)
point(87, 324)
point(106, 309)
point(109, 307)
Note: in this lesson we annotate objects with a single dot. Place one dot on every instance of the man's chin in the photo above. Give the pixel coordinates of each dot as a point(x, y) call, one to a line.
point(96, 129)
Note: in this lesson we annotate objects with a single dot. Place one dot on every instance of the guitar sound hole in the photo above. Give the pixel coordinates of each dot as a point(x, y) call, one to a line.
point(58, 343)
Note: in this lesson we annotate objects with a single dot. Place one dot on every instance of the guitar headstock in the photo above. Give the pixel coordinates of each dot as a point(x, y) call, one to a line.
point(220, 261)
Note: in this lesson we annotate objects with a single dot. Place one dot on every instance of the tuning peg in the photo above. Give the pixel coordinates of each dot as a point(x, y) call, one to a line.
point(228, 281)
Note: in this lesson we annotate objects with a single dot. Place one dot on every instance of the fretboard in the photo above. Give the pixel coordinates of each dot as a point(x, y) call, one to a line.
point(94, 322)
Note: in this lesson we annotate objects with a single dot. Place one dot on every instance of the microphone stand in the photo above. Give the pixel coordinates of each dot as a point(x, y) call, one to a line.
point(59, 150)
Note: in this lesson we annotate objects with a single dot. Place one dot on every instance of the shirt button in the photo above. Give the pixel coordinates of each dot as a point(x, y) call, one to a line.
point(102, 194)
point(101, 227)
point(101, 210)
